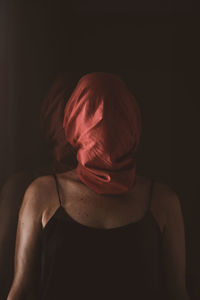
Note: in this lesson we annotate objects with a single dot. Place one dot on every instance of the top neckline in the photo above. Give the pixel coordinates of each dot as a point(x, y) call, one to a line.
point(61, 210)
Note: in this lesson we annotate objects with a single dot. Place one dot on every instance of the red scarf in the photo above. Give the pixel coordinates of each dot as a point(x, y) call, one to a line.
point(102, 121)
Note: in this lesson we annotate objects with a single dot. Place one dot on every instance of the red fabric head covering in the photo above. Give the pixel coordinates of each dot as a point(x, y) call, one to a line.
point(102, 121)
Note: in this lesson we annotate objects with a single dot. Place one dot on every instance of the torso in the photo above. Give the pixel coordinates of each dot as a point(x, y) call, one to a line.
point(93, 210)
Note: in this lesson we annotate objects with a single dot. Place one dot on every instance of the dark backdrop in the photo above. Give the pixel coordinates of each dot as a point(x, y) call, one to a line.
point(153, 47)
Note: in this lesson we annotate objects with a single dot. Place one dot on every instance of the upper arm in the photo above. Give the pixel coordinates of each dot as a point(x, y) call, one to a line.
point(27, 250)
point(174, 248)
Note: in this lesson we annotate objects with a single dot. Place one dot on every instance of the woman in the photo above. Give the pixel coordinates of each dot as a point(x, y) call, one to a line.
point(59, 157)
point(100, 231)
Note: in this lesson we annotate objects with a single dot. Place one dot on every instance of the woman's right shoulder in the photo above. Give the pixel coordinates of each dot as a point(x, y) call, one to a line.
point(38, 193)
point(41, 182)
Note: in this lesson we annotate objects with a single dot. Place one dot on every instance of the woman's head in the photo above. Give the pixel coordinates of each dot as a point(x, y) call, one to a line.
point(102, 122)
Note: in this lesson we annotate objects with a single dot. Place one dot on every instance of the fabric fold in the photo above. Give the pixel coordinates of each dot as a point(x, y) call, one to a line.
point(102, 121)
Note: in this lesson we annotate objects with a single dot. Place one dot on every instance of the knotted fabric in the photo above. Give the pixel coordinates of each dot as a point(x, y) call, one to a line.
point(102, 121)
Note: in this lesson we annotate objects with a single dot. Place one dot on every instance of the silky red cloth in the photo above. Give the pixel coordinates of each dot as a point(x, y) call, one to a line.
point(102, 121)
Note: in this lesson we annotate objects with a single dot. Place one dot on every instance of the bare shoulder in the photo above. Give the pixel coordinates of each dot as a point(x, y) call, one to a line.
point(41, 184)
point(166, 203)
point(39, 192)
point(166, 196)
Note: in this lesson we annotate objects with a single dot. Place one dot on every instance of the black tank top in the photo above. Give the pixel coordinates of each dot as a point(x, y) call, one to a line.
point(83, 263)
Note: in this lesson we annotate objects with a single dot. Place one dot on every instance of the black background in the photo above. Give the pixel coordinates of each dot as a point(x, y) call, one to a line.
point(152, 44)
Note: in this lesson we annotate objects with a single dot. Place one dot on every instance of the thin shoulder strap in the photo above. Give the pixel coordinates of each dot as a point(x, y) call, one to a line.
point(57, 187)
point(151, 194)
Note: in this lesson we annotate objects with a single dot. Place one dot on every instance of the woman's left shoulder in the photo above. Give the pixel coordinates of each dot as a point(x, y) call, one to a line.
point(167, 195)
point(163, 192)
point(168, 203)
